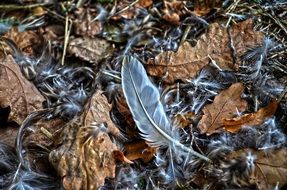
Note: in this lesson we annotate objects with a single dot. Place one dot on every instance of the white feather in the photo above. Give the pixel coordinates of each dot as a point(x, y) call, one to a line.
point(143, 99)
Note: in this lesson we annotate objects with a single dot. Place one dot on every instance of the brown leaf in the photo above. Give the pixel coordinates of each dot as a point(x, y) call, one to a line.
point(202, 7)
point(251, 119)
point(90, 49)
point(140, 150)
point(21, 95)
point(270, 167)
point(84, 24)
point(224, 106)
point(28, 41)
point(145, 3)
point(99, 112)
point(85, 157)
point(119, 155)
point(123, 108)
point(172, 11)
point(188, 60)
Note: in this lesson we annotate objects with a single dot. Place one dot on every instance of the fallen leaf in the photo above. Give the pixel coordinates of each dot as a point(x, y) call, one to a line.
point(124, 111)
point(84, 23)
point(145, 3)
point(119, 155)
point(53, 32)
point(84, 158)
point(8, 134)
point(28, 41)
point(21, 95)
point(243, 37)
point(225, 106)
point(172, 11)
point(203, 7)
point(90, 49)
point(270, 167)
point(99, 112)
point(140, 150)
point(215, 43)
point(184, 119)
point(251, 119)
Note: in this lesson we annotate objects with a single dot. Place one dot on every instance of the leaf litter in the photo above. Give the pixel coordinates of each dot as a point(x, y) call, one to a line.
point(148, 95)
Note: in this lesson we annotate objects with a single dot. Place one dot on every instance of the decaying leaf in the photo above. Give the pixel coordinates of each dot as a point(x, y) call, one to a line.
point(85, 157)
point(84, 23)
point(140, 150)
point(270, 168)
point(225, 106)
point(21, 95)
point(215, 44)
point(99, 112)
point(251, 119)
point(202, 7)
point(90, 49)
point(28, 41)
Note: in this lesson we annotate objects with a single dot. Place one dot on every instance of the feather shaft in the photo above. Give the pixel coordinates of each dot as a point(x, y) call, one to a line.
point(148, 112)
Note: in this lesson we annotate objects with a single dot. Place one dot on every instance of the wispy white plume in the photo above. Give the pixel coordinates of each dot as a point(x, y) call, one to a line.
point(143, 99)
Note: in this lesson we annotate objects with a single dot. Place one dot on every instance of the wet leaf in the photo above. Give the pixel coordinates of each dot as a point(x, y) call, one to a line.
point(188, 61)
point(270, 168)
point(84, 158)
point(251, 119)
point(21, 95)
point(90, 49)
point(225, 106)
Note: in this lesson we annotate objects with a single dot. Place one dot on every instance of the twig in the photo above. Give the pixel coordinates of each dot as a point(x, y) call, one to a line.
point(46, 132)
point(67, 35)
point(127, 7)
point(16, 7)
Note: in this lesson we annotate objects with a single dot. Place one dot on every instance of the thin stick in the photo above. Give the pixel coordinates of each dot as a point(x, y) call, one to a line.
point(127, 7)
point(67, 35)
point(15, 7)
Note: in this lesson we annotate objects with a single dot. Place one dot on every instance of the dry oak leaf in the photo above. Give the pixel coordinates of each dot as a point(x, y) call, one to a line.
point(85, 157)
point(225, 106)
point(215, 44)
point(93, 50)
point(20, 94)
point(251, 119)
point(99, 112)
point(270, 168)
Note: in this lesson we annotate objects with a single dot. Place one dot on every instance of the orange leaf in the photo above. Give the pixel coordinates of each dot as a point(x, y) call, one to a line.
point(233, 125)
point(119, 155)
point(139, 150)
point(224, 106)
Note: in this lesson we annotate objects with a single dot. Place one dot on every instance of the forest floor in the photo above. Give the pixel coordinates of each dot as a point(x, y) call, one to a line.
point(143, 94)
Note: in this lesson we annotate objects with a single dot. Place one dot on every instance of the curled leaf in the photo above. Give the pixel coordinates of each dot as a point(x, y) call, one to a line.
point(251, 119)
